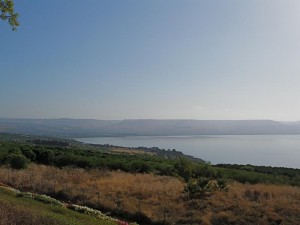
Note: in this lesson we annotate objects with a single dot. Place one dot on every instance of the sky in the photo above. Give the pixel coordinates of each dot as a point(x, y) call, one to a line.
point(170, 59)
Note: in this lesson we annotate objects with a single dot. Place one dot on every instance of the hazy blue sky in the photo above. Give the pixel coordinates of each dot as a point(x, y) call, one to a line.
point(187, 59)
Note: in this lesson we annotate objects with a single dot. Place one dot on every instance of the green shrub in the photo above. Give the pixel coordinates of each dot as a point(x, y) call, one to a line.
point(184, 168)
point(199, 187)
point(44, 156)
point(204, 170)
point(28, 153)
point(18, 161)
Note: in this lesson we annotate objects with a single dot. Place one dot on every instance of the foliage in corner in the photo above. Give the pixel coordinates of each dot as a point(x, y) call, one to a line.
point(7, 12)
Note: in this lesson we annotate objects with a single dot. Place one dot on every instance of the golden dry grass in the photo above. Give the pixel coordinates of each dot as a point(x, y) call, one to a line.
point(150, 193)
point(159, 196)
point(254, 204)
point(130, 151)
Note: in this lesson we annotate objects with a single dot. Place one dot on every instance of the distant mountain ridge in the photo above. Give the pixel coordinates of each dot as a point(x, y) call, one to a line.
point(145, 127)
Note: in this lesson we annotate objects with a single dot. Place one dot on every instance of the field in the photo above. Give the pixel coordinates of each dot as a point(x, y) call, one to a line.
point(160, 198)
point(18, 210)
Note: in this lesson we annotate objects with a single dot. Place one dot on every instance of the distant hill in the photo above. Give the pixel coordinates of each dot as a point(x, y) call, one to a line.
point(145, 127)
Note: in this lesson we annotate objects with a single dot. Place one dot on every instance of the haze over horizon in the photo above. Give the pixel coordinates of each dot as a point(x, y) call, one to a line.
point(157, 119)
point(204, 60)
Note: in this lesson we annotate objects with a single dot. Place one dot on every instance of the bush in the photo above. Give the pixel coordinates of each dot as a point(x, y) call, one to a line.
point(28, 153)
point(184, 168)
point(18, 162)
point(204, 170)
point(166, 170)
point(44, 156)
point(139, 166)
point(200, 187)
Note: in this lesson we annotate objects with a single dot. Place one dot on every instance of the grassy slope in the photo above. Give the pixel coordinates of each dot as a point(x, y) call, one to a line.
point(15, 210)
point(242, 204)
point(152, 194)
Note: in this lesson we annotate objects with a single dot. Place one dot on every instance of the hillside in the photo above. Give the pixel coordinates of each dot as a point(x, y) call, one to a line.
point(92, 128)
point(23, 208)
point(151, 199)
point(142, 187)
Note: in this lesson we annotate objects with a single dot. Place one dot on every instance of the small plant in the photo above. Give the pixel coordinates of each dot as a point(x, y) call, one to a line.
point(222, 185)
point(199, 187)
point(203, 186)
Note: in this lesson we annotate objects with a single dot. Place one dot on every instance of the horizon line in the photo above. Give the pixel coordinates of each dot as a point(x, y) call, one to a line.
point(69, 118)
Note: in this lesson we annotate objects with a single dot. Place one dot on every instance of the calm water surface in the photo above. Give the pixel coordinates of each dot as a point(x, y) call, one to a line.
point(269, 150)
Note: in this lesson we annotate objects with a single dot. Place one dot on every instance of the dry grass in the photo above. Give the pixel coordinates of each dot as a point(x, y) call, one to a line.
point(146, 192)
point(130, 151)
point(158, 196)
point(255, 204)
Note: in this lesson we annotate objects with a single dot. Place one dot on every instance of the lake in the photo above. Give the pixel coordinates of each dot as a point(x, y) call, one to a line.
point(267, 150)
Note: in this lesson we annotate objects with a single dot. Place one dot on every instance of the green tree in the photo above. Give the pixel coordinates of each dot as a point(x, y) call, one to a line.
point(28, 153)
point(184, 168)
point(18, 161)
point(7, 12)
point(44, 156)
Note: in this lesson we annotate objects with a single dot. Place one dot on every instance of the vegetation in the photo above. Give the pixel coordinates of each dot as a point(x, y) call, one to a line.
point(148, 198)
point(18, 154)
point(147, 187)
point(259, 175)
point(7, 12)
point(277, 171)
point(24, 210)
point(17, 161)
point(202, 187)
point(101, 159)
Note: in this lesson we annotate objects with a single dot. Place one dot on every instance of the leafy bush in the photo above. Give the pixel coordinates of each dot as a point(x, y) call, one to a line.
point(202, 186)
point(199, 187)
point(204, 170)
point(222, 184)
point(140, 167)
point(28, 153)
point(184, 168)
point(18, 161)
point(44, 156)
